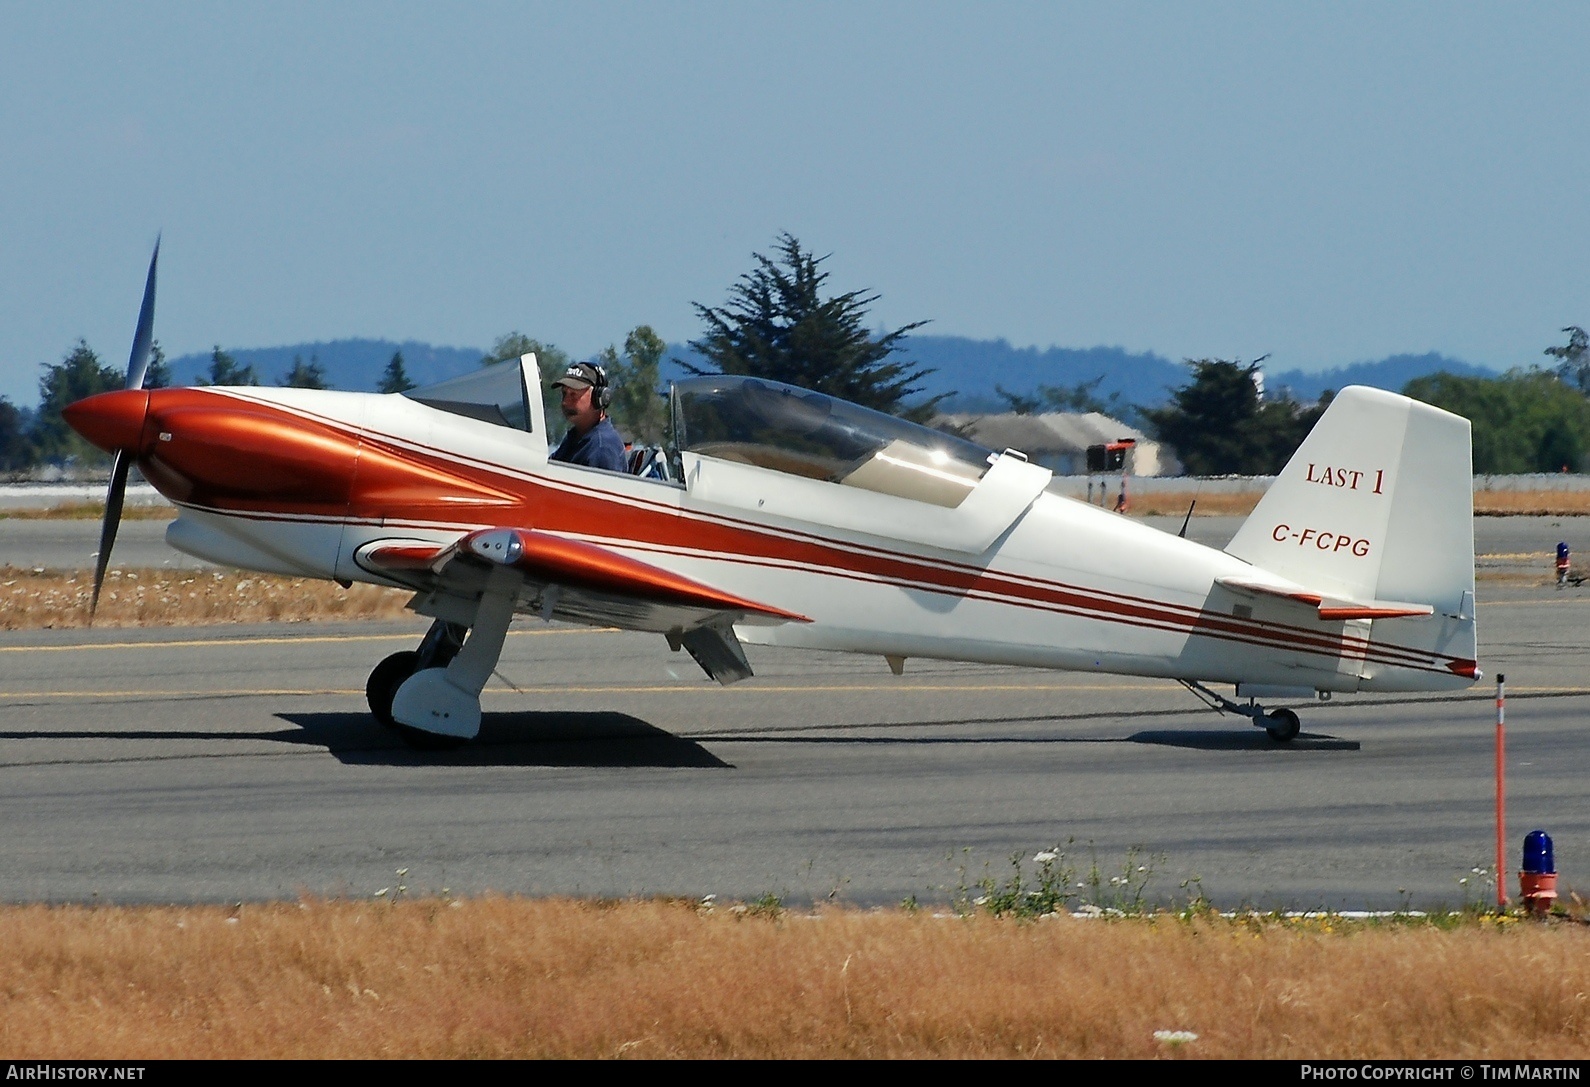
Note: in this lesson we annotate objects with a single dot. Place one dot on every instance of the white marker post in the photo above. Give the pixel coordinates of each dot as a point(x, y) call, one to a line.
point(1501, 791)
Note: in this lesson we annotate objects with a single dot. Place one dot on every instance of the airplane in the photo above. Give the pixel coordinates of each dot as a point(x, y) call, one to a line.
point(778, 516)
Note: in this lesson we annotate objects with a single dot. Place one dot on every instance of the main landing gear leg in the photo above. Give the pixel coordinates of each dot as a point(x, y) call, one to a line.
point(1282, 724)
point(445, 701)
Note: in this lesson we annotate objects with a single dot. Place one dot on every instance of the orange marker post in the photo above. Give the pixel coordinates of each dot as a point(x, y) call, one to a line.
point(1501, 791)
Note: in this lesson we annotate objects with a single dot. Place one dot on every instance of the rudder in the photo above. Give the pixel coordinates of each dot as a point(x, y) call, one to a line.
point(1376, 504)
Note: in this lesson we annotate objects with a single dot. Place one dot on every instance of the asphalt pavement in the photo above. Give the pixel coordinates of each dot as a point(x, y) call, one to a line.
point(238, 763)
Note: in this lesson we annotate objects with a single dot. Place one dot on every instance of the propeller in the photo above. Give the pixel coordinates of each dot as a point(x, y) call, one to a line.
point(137, 368)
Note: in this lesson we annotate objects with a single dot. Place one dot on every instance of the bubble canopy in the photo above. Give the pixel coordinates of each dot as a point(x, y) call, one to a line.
point(764, 423)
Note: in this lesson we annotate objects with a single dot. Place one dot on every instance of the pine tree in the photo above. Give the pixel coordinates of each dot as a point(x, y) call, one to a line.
point(16, 451)
point(1574, 359)
point(158, 375)
point(778, 325)
point(395, 379)
point(304, 375)
point(78, 375)
point(224, 370)
point(1219, 425)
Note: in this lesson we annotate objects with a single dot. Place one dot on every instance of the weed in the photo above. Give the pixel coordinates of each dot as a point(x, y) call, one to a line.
point(1015, 897)
point(770, 905)
point(1479, 889)
point(397, 890)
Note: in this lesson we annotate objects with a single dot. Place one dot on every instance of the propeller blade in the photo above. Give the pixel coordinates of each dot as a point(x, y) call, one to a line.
point(138, 363)
point(137, 369)
point(107, 531)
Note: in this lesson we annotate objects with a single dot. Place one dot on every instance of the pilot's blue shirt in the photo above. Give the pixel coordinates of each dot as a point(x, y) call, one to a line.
point(599, 447)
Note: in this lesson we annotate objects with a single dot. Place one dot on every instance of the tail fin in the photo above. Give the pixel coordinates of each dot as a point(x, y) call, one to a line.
point(1376, 504)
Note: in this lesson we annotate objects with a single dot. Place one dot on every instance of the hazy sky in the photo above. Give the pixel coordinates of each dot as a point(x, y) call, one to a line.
point(1325, 182)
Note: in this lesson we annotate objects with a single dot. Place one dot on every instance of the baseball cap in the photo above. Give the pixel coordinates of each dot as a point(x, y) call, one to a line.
point(581, 375)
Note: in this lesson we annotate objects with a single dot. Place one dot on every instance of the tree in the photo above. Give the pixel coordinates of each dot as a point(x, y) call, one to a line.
point(1574, 364)
point(16, 451)
point(637, 410)
point(1219, 425)
point(395, 379)
point(777, 325)
point(77, 375)
point(551, 360)
point(158, 374)
point(514, 344)
point(224, 370)
point(1522, 421)
point(1078, 397)
point(305, 375)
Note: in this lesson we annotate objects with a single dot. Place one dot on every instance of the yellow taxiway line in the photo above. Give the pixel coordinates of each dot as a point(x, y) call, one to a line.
point(306, 639)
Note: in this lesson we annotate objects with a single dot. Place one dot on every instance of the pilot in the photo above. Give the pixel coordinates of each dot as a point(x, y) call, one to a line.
point(592, 439)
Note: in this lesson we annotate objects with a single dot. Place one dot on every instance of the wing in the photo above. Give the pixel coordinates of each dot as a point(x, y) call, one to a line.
point(577, 581)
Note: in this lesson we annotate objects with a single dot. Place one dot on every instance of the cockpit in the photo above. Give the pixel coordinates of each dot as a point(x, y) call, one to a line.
point(765, 424)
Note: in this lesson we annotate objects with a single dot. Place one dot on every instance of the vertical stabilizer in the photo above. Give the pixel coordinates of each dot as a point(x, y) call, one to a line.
point(1377, 504)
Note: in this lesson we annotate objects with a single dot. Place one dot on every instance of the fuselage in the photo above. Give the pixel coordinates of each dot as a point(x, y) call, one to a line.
point(297, 481)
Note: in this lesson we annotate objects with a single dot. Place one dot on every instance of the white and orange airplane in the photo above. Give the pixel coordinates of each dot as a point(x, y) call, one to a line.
point(783, 517)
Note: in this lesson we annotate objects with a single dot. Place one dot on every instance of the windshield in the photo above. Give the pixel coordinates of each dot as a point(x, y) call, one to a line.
point(492, 394)
point(792, 430)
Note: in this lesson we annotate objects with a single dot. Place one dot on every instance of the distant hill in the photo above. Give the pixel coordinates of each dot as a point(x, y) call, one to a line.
point(355, 365)
point(1389, 373)
point(965, 368)
point(969, 370)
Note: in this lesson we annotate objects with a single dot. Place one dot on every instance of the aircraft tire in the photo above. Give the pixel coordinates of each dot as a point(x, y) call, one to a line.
point(1283, 726)
point(385, 678)
point(381, 688)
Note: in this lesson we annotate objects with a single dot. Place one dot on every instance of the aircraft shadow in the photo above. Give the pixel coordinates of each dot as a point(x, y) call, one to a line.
point(1237, 737)
point(1253, 739)
point(511, 739)
point(1205, 740)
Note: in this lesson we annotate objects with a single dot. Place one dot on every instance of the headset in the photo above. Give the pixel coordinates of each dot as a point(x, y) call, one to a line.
point(601, 391)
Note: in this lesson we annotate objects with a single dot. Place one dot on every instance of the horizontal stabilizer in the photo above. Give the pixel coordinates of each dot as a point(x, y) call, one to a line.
point(1328, 608)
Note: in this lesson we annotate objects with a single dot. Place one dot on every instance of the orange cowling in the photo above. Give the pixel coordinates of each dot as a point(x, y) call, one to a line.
point(112, 421)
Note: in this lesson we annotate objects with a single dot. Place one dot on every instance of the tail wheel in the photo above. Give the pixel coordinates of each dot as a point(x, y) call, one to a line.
point(381, 687)
point(1283, 725)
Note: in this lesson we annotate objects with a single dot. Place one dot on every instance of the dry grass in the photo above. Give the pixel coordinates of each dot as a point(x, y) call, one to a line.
point(1174, 504)
point(550, 978)
point(1531, 503)
point(88, 511)
point(51, 599)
